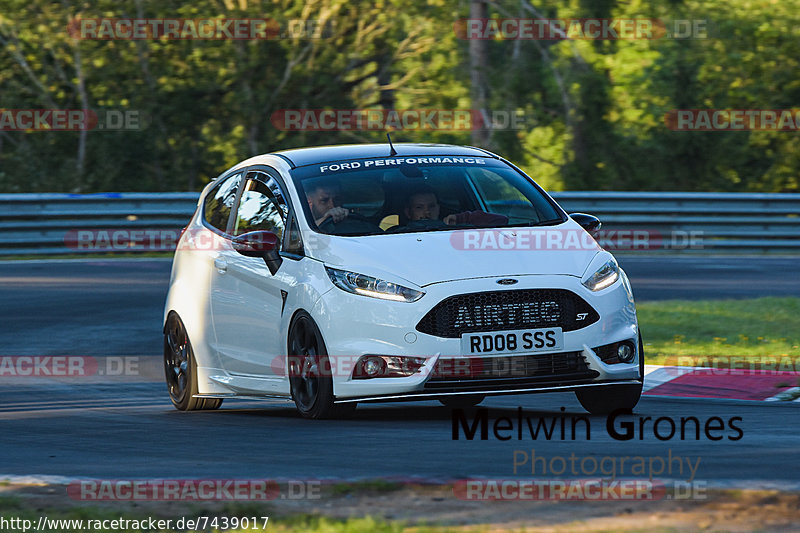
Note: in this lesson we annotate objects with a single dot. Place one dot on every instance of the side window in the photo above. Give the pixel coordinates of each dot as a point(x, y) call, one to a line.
point(293, 241)
point(219, 202)
point(262, 207)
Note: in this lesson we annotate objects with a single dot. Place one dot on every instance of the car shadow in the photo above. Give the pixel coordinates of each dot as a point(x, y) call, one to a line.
point(398, 411)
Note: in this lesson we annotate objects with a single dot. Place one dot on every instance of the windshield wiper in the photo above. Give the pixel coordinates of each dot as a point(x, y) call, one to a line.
point(553, 222)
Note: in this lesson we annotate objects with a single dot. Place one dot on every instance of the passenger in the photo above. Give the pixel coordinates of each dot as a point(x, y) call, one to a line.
point(423, 204)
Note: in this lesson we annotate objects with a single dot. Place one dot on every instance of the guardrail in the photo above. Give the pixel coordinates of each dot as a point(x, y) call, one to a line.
point(50, 224)
point(752, 222)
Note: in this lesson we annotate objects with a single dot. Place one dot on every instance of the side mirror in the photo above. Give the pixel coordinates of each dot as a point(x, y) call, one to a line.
point(262, 244)
point(588, 222)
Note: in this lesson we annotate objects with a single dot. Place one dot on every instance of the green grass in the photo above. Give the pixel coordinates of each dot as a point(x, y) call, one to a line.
point(315, 524)
point(10, 503)
point(762, 327)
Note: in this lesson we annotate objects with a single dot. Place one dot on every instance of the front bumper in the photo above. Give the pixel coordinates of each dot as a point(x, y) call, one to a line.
point(354, 325)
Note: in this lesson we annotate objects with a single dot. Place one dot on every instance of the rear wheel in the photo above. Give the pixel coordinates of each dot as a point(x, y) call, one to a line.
point(180, 369)
point(310, 372)
point(462, 401)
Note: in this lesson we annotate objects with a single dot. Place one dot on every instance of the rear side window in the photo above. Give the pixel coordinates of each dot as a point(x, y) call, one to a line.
point(219, 202)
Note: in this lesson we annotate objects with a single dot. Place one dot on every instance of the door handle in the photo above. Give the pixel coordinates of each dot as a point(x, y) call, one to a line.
point(221, 264)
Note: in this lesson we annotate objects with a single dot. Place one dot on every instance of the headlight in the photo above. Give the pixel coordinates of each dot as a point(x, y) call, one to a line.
point(373, 287)
point(603, 277)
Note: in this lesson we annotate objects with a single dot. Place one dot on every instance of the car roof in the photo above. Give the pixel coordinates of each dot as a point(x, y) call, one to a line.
point(326, 154)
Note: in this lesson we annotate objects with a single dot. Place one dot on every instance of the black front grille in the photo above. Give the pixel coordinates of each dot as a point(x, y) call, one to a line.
point(514, 371)
point(507, 310)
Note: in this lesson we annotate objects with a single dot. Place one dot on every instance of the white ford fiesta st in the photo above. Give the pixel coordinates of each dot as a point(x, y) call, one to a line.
point(359, 273)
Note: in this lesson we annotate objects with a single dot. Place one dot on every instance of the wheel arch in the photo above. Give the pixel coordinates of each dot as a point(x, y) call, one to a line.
point(196, 318)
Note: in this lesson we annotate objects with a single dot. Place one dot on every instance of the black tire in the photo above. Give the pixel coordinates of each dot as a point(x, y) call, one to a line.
point(463, 401)
point(180, 369)
point(310, 372)
point(641, 357)
point(608, 398)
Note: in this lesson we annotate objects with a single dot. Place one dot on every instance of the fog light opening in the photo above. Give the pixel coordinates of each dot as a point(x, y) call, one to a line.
point(372, 366)
point(625, 352)
point(387, 366)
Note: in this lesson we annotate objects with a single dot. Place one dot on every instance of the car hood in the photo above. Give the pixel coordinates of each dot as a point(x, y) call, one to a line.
point(434, 257)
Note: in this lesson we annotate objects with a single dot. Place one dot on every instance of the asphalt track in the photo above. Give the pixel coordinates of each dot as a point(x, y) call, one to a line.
point(119, 430)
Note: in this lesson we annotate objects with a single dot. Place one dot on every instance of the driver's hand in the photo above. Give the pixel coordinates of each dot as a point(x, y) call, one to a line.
point(450, 220)
point(337, 214)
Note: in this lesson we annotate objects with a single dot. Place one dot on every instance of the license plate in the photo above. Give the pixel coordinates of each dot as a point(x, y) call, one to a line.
point(523, 341)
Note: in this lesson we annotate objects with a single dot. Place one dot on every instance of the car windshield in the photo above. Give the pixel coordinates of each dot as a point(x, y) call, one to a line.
point(416, 194)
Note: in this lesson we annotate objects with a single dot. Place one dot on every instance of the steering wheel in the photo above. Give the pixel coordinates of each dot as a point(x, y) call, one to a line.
point(352, 224)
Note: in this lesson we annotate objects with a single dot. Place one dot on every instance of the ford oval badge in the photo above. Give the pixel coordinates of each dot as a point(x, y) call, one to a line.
point(506, 281)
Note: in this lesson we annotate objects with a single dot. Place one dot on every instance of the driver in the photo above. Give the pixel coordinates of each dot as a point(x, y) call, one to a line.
point(423, 204)
point(324, 199)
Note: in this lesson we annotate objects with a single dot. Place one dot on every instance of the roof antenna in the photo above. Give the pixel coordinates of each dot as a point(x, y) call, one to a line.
point(392, 152)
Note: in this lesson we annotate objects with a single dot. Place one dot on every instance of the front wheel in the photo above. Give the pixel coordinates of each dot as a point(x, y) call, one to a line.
point(180, 369)
point(310, 375)
point(605, 399)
